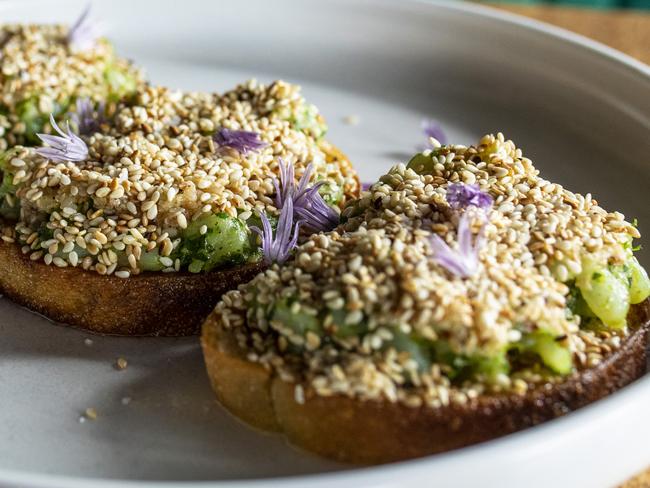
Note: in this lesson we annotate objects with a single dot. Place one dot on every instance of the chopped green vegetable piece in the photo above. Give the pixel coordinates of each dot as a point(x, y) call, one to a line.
point(606, 292)
point(299, 322)
point(576, 303)
point(225, 240)
point(421, 164)
point(545, 345)
point(150, 261)
point(331, 192)
point(417, 348)
point(639, 282)
point(32, 117)
point(120, 83)
point(310, 121)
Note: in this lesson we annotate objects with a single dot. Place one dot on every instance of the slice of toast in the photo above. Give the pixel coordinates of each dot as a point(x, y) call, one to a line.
point(370, 432)
point(152, 303)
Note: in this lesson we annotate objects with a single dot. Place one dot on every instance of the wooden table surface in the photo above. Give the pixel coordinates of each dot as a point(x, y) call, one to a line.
point(627, 31)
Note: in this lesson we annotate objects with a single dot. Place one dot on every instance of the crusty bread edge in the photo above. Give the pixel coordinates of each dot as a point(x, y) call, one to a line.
point(169, 304)
point(372, 432)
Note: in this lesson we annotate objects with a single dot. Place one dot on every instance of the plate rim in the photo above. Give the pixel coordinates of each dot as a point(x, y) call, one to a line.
point(381, 475)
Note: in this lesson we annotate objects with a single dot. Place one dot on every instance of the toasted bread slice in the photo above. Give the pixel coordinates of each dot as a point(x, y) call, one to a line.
point(371, 432)
point(152, 303)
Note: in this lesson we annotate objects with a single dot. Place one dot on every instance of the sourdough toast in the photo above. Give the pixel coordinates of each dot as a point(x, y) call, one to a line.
point(372, 432)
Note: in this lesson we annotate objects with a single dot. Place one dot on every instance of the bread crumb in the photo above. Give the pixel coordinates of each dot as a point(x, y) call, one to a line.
point(88, 342)
point(126, 400)
point(91, 413)
point(351, 119)
point(121, 364)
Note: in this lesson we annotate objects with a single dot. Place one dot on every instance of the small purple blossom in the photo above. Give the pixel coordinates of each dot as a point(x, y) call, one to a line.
point(242, 141)
point(308, 204)
point(278, 248)
point(85, 32)
point(432, 128)
point(366, 186)
point(463, 262)
point(461, 196)
point(86, 118)
point(64, 147)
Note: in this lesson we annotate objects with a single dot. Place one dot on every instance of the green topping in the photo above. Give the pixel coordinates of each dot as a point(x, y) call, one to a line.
point(422, 164)
point(548, 348)
point(310, 122)
point(418, 349)
point(331, 193)
point(460, 367)
point(288, 313)
point(150, 261)
point(639, 282)
point(215, 240)
point(34, 120)
point(601, 296)
point(607, 293)
point(120, 83)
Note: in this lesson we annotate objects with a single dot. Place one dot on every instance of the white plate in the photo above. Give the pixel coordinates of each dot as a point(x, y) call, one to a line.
point(580, 110)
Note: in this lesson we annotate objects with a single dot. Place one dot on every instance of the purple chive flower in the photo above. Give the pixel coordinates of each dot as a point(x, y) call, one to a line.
point(242, 141)
point(84, 32)
point(278, 248)
point(432, 128)
point(308, 204)
point(62, 148)
point(86, 118)
point(461, 196)
point(464, 261)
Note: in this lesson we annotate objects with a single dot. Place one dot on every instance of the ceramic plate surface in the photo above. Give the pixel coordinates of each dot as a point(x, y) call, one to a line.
point(580, 111)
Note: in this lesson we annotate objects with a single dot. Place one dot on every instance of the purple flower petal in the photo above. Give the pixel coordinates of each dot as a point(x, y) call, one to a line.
point(308, 204)
point(242, 141)
point(317, 215)
point(366, 186)
point(278, 249)
point(85, 32)
point(86, 118)
point(461, 196)
point(65, 147)
point(432, 128)
point(463, 262)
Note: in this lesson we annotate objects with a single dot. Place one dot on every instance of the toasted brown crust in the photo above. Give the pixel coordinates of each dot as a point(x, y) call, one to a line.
point(164, 304)
point(371, 432)
point(169, 304)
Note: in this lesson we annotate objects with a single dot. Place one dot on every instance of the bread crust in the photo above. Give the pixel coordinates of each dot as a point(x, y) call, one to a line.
point(372, 432)
point(168, 304)
point(149, 304)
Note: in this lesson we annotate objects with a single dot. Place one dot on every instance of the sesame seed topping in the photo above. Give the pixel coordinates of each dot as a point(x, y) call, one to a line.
point(151, 172)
